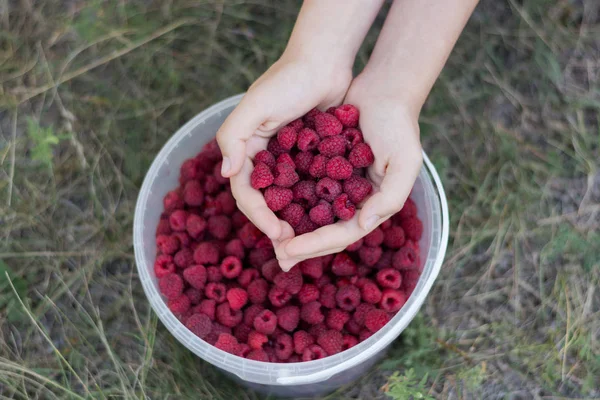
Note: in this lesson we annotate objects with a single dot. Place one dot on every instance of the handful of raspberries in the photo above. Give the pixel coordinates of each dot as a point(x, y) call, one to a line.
point(312, 172)
point(219, 275)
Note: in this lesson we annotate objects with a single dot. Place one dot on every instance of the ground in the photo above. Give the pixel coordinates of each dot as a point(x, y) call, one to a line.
point(91, 90)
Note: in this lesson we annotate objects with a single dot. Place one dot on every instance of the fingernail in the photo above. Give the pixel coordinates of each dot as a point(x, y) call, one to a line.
point(371, 221)
point(225, 166)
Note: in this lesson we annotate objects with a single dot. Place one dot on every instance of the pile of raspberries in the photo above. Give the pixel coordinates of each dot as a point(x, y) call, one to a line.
point(313, 172)
point(219, 275)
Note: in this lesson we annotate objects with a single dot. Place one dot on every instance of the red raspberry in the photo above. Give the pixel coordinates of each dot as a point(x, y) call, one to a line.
point(256, 340)
point(357, 188)
point(352, 327)
point(305, 193)
point(237, 298)
point(265, 157)
point(286, 158)
point(195, 276)
point(405, 258)
point(292, 214)
point(318, 167)
point(274, 147)
point(184, 238)
point(207, 307)
point(321, 214)
point(370, 255)
point(347, 297)
point(303, 161)
point(413, 228)
point(259, 256)
point(348, 115)
point(327, 297)
point(163, 266)
point(177, 220)
point(328, 189)
point(408, 210)
point(360, 313)
point(242, 332)
point(389, 278)
point(313, 352)
point(349, 341)
point(277, 198)
point(261, 176)
point(410, 278)
point(302, 340)
point(343, 208)
point(265, 322)
point(180, 305)
point(226, 202)
point(308, 293)
point(172, 201)
point(290, 281)
point(364, 335)
point(374, 238)
point(171, 286)
point(219, 226)
point(199, 324)
point(279, 297)
point(333, 146)
point(249, 235)
point(361, 280)
point(251, 312)
point(257, 291)
point(288, 317)
point(258, 355)
point(190, 170)
point(338, 168)
point(376, 319)
point(312, 268)
point(317, 329)
point(287, 137)
point(331, 341)
point(211, 207)
point(243, 350)
point(228, 316)
point(215, 291)
point(284, 346)
point(247, 277)
point(394, 237)
point(206, 253)
point(392, 300)
point(327, 125)
point(370, 293)
point(305, 226)
point(355, 246)
point(193, 194)
point(213, 274)
point(167, 244)
point(227, 343)
point(309, 118)
point(297, 124)
point(195, 295)
point(211, 150)
point(336, 319)
point(183, 258)
point(308, 139)
point(353, 137)
point(343, 265)
point(311, 313)
point(211, 185)
point(264, 243)
point(235, 248)
point(331, 110)
point(204, 162)
point(231, 267)
point(270, 269)
point(164, 227)
point(361, 156)
point(285, 175)
point(216, 331)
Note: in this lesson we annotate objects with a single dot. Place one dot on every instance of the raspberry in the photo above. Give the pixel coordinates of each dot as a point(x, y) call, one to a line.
point(243, 350)
point(258, 355)
point(362, 281)
point(343, 208)
point(261, 176)
point(355, 246)
point(227, 343)
point(177, 220)
point(207, 307)
point(213, 274)
point(163, 266)
point(290, 281)
point(184, 238)
point(313, 352)
point(331, 341)
point(333, 146)
point(357, 188)
point(303, 161)
point(242, 332)
point(167, 244)
point(279, 297)
point(360, 313)
point(256, 340)
point(317, 329)
point(190, 170)
point(195, 276)
point(408, 210)
point(308, 139)
point(284, 346)
point(277, 198)
point(361, 156)
point(339, 168)
point(352, 327)
point(274, 147)
point(211, 185)
point(219, 226)
point(257, 291)
point(392, 300)
point(265, 322)
point(270, 269)
point(413, 228)
point(312, 268)
point(353, 137)
point(336, 319)
point(228, 316)
point(286, 158)
point(328, 189)
point(364, 335)
point(206, 253)
point(376, 319)
point(235, 248)
point(226, 202)
point(311, 313)
point(343, 265)
point(389, 278)
point(231, 267)
point(171, 286)
point(348, 115)
point(204, 162)
point(247, 276)
point(327, 297)
point(211, 150)
point(211, 207)
point(405, 258)
point(287, 137)
point(285, 175)
point(309, 118)
point(386, 224)
point(410, 278)
point(179, 305)
point(172, 201)
point(321, 214)
point(163, 228)
point(292, 214)
point(347, 297)
point(327, 125)
point(318, 167)
point(288, 317)
point(297, 124)
point(264, 156)
point(308, 293)
point(259, 256)
point(348, 342)
point(305, 226)
point(305, 193)
point(249, 235)
point(199, 324)
point(215, 291)
point(370, 293)
point(251, 312)
point(193, 194)
point(374, 238)
point(237, 298)
point(302, 340)
point(370, 255)
point(183, 258)
point(394, 237)
point(331, 110)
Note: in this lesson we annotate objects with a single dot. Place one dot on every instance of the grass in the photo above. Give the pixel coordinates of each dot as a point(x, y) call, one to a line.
point(89, 93)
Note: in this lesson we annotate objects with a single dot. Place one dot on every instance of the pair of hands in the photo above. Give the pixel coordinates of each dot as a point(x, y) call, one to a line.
point(288, 90)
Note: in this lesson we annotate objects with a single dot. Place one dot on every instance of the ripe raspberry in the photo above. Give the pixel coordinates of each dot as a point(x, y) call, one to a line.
point(180, 305)
point(167, 244)
point(321, 214)
point(364, 335)
point(206, 253)
point(376, 319)
point(211, 207)
point(357, 188)
point(336, 319)
point(374, 238)
point(303, 161)
point(199, 324)
point(215, 291)
point(343, 208)
point(331, 110)
point(347, 297)
point(405, 258)
point(327, 125)
point(297, 124)
point(394, 237)
point(249, 235)
point(219, 226)
point(171, 286)
point(309, 118)
point(279, 297)
point(204, 162)
point(290, 281)
point(265, 322)
point(256, 340)
point(318, 167)
point(226, 202)
point(285, 175)
point(288, 317)
point(348, 115)
point(275, 148)
point(177, 220)
point(292, 214)
point(331, 341)
point(213, 274)
point(353, 137)
point(183, 258)
point(216, 331)
point(270, 269)
point(389, 278)
point(172, 201)
point(163, 266)
point(410, 278)
point(313, 352)
point(258, 355)
point(286, 158)
point(392, 300)
point(190, 170)
point(195, 276)
point(257, 291)
point(184, 238)
point(302, 340)
point(164, 227)
point(231, 267)
point(311, 313)
point(349, 341)
point(308, 139)
point(237, 298)
point(251, 312)
point(328, 189)
point(355, 246)
point(327, 297)
point(193, 194)
point(194, 295)
point(305, 226)
point(242, 332)
point(338, 168)
point(247, 276)
point(343, 265)
point(277, 198)
point(211, 185)
point(284, 346)
point(261, 176)
point(352, 327)
point(408, 210)
point(207, 307)
point(264, 156)
point(333, 146)
point(361, 156)
point(312, 267)
point(413, 228)
point(370, 293)
point(235, 248)
point(228, 316)
point(227, 343)
point(361, 311)
point(243, 350)
point(305, 193)
point(287, 137)
point(211, 150)
point(370, 255)
point(308, 293)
